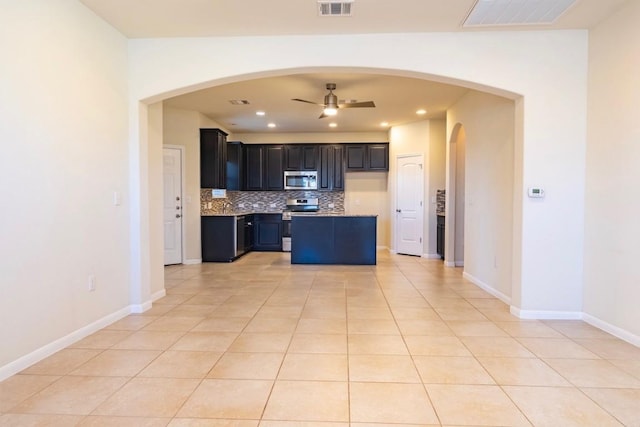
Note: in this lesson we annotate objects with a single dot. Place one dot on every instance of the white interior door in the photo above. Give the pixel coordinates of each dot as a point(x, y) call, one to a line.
point(172, 196)
point(409, 205)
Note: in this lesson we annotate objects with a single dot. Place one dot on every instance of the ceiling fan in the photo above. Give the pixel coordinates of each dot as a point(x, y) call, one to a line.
point(331, 104)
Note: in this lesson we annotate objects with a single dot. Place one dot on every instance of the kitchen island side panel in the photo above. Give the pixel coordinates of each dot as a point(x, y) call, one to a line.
point(347, 240)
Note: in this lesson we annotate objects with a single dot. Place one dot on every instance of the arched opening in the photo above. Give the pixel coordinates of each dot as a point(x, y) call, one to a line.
point(153, 121)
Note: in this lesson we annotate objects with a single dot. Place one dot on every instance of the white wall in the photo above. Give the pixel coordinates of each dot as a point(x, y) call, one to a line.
point(64, 132)
point(488, 123)
point(612, 228)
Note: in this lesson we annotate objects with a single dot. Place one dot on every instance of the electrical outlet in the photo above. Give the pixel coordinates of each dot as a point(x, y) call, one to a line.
point(92, 283)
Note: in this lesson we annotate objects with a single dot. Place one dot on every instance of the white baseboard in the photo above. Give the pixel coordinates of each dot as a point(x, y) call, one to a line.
point(479, 283)
point(157, 295)
point(449, 264)
point(192, 261)
point(611, 329)
point(431, 256)
point(545, 314)
point(47, 350)
point(140, 308)
point(381, 248)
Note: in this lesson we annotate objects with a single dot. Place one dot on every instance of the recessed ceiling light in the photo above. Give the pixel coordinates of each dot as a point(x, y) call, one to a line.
point(271, 125)
point(260, 113)
point(421, 111)
point(384, 124)
point(333, 125)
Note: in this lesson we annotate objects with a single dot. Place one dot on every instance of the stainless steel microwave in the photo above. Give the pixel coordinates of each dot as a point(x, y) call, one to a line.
point(300, 180)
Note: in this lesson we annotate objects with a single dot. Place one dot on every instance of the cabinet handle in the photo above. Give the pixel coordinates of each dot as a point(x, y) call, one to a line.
point(178, 215)
point(398, 210)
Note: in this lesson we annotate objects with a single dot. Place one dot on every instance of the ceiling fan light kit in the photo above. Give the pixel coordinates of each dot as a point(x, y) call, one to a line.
point(331, 104)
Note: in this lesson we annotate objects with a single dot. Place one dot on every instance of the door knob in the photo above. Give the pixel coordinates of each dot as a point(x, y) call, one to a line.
point(178, 215)
point(398, 210)
point(178, 208)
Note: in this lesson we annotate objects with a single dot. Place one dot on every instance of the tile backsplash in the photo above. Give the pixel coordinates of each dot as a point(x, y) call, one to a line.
point(440, 200)
point(268, 201)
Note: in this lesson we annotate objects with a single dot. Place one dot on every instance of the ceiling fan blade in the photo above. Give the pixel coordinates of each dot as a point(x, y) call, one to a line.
point(322, 116)
point(308, 102)
point(364, 104)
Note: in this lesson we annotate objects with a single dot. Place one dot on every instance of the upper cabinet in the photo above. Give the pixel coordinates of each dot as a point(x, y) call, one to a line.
point(367, 157)
point(213, 158)
point(235, 166)
point(331, 167)
point(264, 167)
point(300, 157)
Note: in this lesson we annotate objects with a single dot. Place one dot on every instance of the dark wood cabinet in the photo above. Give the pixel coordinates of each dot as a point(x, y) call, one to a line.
point(264, 167)
point(378, 157)
point(267, 232)
point(440, 235)
point(235, 166)
point(213, 158)
point(367, 157)
point(217, 238)
point(333, 240)
point(254, 167)
point(331, 167)
point(300, 157)
point(273, 167)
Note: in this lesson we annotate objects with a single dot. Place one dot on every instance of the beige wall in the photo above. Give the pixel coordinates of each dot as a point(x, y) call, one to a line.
point(182, 128)
point(425, 138)
point(437, 181)
point(64, 132)
point(310, 137)
point(612, 228)
point(366, 193)
point(488, 123)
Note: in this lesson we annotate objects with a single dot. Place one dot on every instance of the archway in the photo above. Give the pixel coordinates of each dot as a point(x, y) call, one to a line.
point(154, 273)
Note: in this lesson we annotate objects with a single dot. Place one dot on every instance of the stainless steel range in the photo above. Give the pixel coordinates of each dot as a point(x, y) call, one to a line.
point(296, 207)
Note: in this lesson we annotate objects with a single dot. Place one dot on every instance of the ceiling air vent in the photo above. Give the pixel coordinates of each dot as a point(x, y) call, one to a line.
point(334, 8)
point(239, 101)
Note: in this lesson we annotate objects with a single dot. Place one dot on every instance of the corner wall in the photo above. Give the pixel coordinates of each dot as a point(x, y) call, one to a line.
point(489, 178)
point(612, 280)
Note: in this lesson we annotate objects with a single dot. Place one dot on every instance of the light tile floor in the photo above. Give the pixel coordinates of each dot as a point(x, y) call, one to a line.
point(260, 342)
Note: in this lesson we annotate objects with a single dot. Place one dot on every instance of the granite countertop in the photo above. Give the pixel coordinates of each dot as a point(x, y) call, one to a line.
point(240, 213)
point(332, 214)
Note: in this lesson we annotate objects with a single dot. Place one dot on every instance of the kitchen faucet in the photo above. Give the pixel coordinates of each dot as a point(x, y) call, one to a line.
point(226, 205)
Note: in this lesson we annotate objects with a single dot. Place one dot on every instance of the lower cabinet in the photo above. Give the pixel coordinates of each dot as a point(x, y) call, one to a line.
point(440, 236)
point(267, 232)
point(333, 240)
point(218, 238)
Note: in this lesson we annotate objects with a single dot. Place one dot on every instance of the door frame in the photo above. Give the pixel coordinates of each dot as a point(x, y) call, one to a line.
point(183, 191)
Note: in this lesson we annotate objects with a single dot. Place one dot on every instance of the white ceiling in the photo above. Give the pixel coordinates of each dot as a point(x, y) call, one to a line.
point(202, 18)
point(396, 98)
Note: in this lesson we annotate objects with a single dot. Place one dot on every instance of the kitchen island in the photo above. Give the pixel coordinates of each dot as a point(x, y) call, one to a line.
point(334, 239)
